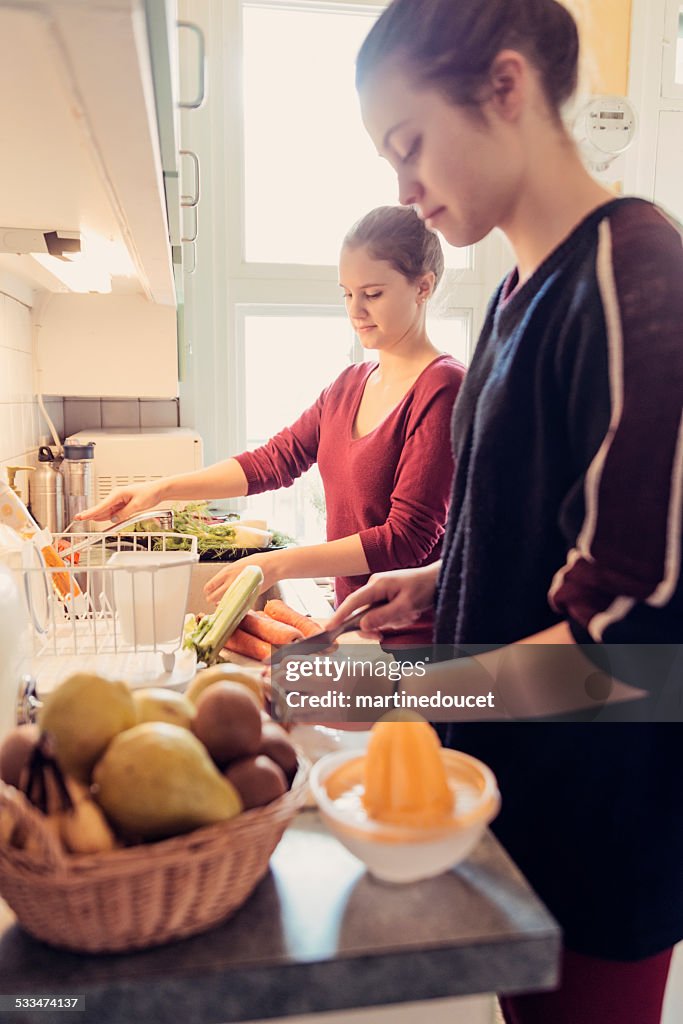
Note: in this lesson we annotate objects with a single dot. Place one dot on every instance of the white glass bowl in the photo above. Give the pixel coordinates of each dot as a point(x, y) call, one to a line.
point(396, 853)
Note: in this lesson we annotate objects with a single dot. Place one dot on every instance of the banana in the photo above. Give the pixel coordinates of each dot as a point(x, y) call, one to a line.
point(83, 827)
point(7, 826)
point(69, 811)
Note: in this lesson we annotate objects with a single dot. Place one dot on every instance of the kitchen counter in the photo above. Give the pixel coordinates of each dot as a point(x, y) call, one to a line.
point(318, 934)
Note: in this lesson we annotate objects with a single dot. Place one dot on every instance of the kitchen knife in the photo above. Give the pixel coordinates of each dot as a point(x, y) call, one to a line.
point(321, 641)
point(308, 645)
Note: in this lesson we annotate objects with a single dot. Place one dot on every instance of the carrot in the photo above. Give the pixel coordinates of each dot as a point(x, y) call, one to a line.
point(270, 630)
point(248, 645)
point(283, 613)
point(64, 583)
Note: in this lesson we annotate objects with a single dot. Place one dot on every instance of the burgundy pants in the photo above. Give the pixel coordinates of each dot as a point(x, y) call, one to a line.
point(594, 991)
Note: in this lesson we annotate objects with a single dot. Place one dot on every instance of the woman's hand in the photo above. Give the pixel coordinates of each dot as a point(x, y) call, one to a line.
point(271, 565)
point(124, 502)
point(404, 595)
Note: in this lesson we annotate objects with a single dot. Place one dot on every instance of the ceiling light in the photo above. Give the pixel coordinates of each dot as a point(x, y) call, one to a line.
point(82, 275)
point(82, 261)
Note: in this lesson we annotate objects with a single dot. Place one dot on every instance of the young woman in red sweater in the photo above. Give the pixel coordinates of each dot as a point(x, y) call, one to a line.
point(379, 432)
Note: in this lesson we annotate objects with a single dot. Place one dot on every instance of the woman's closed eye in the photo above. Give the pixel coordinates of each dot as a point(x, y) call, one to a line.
point(412, 151)
point(366, 295)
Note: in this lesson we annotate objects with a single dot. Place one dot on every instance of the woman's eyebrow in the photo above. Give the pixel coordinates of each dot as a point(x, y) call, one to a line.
point(379, 285)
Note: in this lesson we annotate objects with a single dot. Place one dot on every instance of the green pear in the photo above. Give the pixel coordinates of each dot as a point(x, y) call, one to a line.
point(157, 780)
point(82, 715)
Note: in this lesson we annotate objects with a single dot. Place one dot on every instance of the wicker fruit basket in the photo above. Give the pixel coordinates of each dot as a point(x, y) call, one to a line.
point(137, 896)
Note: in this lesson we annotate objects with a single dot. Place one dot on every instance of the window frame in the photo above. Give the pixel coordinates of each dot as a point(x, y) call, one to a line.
point(238, 267)
point(299, 287)
point(209, 395)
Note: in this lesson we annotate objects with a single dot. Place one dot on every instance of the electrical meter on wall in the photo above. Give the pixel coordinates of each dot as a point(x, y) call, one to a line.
point(605, 127)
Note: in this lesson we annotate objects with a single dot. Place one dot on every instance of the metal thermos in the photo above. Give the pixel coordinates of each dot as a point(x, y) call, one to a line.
point(46, 488)
point(79, 481)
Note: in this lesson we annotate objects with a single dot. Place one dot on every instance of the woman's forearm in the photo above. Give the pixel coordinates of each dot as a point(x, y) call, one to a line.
point(541, 675)
point(222, 480)
point(343, 557)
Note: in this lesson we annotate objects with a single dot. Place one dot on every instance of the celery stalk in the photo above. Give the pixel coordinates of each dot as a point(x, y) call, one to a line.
point(209, 636)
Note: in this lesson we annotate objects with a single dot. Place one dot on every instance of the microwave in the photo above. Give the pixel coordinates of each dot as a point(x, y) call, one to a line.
point(124, 456)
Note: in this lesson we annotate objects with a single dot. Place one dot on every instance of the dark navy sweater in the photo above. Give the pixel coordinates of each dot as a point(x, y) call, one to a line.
point(567, 505)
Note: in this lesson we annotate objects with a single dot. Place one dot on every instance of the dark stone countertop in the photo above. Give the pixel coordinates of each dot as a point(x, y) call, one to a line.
point(317, 934)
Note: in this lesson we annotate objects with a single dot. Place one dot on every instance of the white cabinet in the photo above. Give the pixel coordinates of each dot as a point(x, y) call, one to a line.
point(79, 128)
point(89, 128)
point(669, 162)
point(115, 345)
point(655, 166)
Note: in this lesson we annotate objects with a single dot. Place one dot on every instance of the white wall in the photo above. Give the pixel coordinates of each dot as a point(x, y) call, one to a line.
point(21, 424)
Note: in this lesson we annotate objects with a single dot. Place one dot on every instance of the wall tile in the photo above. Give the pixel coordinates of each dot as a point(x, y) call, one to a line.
point(25, 371)
point(17, 374)
point(17, 325)
point(14, 371)
point(121, 413)
point(17, 430)
point(5, 431)
point(159, 413)
point(12, 393)
point(19, 423)
point(27, 426)
point(80, 414)
point(5, 381)
point(36, 424)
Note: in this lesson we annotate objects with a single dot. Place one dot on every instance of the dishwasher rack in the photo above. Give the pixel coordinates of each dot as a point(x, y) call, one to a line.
point(117, 611)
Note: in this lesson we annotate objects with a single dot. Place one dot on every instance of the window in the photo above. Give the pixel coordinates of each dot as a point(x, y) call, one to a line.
point(452, 334)
point(309, 165)
point(310, 170)
point(670, 45)
point(300, 171)
point(309, 347)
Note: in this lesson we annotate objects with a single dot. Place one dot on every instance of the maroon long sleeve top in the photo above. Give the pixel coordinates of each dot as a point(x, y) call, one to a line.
point(390, 487)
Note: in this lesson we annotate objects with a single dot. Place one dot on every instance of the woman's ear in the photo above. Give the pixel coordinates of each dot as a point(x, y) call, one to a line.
point(508, 83)
point(425, 286)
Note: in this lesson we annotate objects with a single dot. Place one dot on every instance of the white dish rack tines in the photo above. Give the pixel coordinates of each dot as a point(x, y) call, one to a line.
point(120, 612)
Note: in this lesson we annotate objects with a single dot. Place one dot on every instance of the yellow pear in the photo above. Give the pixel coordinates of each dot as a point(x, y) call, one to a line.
point(159, 705)
point(157, 780)
point(82, 715)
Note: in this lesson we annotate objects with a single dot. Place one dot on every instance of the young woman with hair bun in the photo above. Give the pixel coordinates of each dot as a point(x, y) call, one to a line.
point(565, 516)
point(379, 432)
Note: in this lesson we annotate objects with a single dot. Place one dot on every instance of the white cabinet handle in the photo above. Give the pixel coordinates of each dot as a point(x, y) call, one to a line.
point(194, 258)
point(193, 236)
point(201, 63)
point(191, 200)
